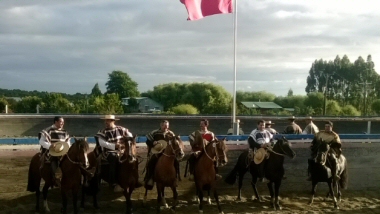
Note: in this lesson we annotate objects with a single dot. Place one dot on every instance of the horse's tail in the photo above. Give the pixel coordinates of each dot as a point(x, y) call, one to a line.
point(231, 177)
point(34, 178)
point(186, 168)
point(343, 181)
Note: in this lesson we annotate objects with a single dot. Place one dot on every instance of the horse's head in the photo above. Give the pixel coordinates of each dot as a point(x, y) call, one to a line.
point(322, 152)
point(283, 146)
point(128, 144)
point(221, 150)
point(175, 146)
point(78, 152)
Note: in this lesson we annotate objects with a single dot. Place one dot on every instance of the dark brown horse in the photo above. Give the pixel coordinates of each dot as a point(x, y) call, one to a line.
point(204, 171)
point(320, 170)
point(273, 168)
point(127, 173)
point(73, 164)
point(38, 170)
point(165, 174)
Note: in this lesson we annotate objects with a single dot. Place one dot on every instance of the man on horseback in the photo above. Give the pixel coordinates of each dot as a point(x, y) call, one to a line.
point(109, 141)
point(292, 128)
point(55, 140)
point(268, 126)
point(152, 143)
point(310, 128)
point(259, 140)
point(330, 137)
point(197, 144)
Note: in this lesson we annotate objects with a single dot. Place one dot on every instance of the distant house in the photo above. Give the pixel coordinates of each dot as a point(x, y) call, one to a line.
point(144, 105)
point(262, 107)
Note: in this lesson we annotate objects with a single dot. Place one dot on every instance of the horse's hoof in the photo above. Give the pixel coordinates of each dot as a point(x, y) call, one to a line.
point(172, 210)
point(221, 212)
point(279, 207)
point(200, 212)
point(238, 199)
point(166, 206)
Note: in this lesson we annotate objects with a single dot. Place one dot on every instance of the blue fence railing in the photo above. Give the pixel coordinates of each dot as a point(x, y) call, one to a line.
point(142, 139)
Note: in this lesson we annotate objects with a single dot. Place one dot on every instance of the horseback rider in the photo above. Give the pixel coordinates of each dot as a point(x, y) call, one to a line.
point(292, 128)
point(268, 126)
point(332, 138)
point(197, 139)
point(259, 140)
point(152, 142)
point(55, 140)
point(109, 141)
point(310, 128)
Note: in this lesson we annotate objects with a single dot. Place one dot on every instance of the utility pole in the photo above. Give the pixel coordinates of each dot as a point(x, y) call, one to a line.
point(327, 76)
point(365, 91)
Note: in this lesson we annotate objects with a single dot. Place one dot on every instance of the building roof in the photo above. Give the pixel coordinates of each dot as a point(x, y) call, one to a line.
point(261, 105)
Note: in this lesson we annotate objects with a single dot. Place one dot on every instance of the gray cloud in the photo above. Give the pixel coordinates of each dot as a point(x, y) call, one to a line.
point(69, 46)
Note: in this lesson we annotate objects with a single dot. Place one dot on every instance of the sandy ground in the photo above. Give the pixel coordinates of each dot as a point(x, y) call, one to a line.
point(15, 199)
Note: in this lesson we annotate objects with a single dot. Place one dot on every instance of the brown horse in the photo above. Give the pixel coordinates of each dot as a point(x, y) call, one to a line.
point(37, 170)
point(127, 173)
point(165, 174)
point(204, 172)
point(73, 164)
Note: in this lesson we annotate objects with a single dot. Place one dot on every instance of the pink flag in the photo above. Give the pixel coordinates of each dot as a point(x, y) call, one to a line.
point(198, 9)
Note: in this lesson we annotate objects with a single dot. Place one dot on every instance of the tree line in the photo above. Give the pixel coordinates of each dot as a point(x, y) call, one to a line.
point(334, 88)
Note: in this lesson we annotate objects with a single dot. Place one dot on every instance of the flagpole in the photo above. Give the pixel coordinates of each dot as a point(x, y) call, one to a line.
point(234, 121)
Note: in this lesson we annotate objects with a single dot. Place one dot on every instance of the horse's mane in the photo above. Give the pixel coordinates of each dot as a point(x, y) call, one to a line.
point(81, 143)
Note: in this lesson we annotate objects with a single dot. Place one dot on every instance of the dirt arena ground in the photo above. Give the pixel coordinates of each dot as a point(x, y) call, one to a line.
point(15, 199)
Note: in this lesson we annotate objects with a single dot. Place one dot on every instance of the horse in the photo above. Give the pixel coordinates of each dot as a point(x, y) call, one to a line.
point(273, 169)
point(165, 174)
point(320, 170)
point(204, 171)
point(73, 165)
point(127, 173)
point(38, 171)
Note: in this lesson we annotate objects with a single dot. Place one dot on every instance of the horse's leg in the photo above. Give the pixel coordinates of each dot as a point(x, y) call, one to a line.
point(338, 191)
point(277, 185)
point(175, 197)
point(64, 202)
point(313, 190)
point(200, 196)
point(330, 183)
point(44, 195)
point(160, 190)
point(253, 183)
point(127, 194)
point(145, 196)
point(217, 201)
point(83, 197)
point(38, 199)
point(241, 176)
point(271, 192)
point(208, 198)
point(75, 200)
point(163, 198)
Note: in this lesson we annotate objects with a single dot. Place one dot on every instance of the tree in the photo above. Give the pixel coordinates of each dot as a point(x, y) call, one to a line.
point(184, 109)
point(106, 104)
point(315, 101)
point(350, 110)
point(3, 103)
point(120, 83)
point(290, 93)
point(96, 92)
point(376, 106)
point(333, 108)
point(28, 104)
point(55, 103)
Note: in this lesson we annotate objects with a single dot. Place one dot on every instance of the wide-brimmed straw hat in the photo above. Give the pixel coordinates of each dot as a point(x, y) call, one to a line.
point(269, 122)
point(309, 118)
point(109, 117)
point(159, 147)
point(259, 156)
point(61, 148)
point(292, 118)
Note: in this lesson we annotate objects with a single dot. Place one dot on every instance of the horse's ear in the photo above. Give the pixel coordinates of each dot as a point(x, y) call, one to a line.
point(224, 139)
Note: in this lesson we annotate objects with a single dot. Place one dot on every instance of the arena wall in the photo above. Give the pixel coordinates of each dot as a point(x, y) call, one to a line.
point(88, 125)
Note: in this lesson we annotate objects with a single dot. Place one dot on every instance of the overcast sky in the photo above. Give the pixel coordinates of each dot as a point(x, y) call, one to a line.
point(69, 46)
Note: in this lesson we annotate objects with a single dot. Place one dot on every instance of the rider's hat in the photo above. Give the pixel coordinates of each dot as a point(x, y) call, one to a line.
point(60, 148)
point(269, 123)
point(159, 147)
point(109, 117)
point(259, 156)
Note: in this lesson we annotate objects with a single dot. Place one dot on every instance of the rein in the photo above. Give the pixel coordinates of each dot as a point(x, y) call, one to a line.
point(173, 151)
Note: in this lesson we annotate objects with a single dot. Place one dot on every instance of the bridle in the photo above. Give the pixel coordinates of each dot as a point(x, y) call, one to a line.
point(214, 145)
point(270, 149)
point(129, 148)
point(80, 164)
point(172, 149)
